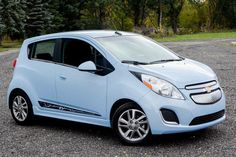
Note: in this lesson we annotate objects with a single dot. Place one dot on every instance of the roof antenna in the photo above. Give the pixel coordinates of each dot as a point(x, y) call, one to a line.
point(116, 32)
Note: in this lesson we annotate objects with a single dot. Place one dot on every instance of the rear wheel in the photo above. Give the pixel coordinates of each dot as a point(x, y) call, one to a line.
point(131, 124)
point(21, 108)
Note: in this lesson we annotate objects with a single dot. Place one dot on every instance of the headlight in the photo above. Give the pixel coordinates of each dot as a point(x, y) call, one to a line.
point(161, 87)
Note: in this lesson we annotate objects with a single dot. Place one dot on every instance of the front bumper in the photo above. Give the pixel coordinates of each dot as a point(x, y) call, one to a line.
point(186, 110)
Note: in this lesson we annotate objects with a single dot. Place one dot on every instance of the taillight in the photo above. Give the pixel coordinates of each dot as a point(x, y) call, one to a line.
point(14, 63)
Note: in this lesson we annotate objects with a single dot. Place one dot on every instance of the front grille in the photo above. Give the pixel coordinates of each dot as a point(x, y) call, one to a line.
point(205, 98)
point(207, 118)
point(205, 93)
point(202, 85)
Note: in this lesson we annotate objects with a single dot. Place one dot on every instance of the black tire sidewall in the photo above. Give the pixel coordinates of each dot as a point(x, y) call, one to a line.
point(115, 118)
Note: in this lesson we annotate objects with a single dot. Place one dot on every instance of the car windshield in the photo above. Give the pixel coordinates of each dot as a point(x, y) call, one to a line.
point(137, 49)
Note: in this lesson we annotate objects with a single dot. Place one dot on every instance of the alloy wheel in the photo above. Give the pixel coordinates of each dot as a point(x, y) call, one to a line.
point(20, 108)
point(133, 125)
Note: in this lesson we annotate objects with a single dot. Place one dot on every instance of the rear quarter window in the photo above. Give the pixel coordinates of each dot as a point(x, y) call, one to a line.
point(43, 50)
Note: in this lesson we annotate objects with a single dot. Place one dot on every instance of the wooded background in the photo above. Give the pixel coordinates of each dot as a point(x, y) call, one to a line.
point(20, 19)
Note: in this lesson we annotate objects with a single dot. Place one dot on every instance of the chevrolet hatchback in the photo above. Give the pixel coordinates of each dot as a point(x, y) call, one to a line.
point(121, 80)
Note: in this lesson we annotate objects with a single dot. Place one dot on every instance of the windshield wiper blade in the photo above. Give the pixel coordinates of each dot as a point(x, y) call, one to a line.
point(165, 60)
point(134, 62)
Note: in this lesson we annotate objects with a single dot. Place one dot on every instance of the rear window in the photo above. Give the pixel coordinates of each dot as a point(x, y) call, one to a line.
point(43, 50)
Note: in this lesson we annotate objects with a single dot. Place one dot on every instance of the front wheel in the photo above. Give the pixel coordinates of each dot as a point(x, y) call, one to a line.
point(131, 124)
point(21, 108)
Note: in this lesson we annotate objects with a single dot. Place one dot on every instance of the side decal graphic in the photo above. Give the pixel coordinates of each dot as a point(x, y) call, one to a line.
point(63, 108)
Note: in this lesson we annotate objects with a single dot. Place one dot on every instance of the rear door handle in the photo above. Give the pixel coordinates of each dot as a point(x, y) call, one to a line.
point(62, 77)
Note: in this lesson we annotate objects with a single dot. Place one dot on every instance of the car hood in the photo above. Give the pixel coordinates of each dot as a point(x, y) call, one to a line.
point(179, 73)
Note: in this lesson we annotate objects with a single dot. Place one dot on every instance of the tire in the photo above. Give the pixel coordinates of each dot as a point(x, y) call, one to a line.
point(21, 108)
point(131, 124)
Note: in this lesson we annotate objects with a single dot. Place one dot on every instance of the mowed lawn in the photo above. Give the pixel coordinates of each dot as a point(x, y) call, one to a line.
point(7, 45)
point(198, 36)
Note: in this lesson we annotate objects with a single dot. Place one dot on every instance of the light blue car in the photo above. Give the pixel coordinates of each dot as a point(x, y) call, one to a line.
point(114, 79)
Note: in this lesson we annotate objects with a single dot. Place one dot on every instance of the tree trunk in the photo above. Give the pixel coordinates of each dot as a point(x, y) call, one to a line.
point(122, 23)
point(143, 13)
point(175, 9)
point(159, 21)
point(136, 17)
point(174, 24)
point(101, 17)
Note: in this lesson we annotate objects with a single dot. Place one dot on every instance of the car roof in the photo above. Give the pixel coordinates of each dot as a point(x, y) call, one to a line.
point(88, 33)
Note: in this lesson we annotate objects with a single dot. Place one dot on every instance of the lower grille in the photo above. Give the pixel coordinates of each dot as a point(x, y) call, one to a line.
point(207, 118)
point(169, 116)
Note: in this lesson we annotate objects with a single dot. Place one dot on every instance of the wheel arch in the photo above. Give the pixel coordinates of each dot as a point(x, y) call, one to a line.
point(119, 103)
point(16, 90)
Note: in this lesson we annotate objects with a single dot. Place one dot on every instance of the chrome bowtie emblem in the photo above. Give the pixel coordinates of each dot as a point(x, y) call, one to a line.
point(208, 89)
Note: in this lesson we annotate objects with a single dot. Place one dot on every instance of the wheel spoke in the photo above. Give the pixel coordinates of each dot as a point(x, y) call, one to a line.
point(24, 105)
point(18, 100)
point(143, 122)
point(127, 133)
point(140, 118)
point(128, 115)
point(139, 133)
point(140, 128)
point(15, 105)
point(133, 114)
point(122, 120)
point(132, 134)
point(123, 126)
point(24, 114)
point(18, 115)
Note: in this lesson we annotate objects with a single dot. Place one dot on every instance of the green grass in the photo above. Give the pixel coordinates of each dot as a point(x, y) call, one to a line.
point(198, 36)
point(7, 45)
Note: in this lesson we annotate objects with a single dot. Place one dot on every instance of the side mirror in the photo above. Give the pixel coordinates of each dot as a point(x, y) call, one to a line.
point(88, 66)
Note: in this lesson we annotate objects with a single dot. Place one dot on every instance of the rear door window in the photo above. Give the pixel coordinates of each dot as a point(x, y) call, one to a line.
point(44, 50)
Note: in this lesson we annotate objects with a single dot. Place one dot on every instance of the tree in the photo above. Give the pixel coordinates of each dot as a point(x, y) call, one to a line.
point(97, 13)
point(37, 18)
point(160, 13)
point(12, 15)
point(138, 9)
point(118, 15)
point(2, 27)
point(157, 6)
point(69, 14)
point(175, 7)
point(228, 11)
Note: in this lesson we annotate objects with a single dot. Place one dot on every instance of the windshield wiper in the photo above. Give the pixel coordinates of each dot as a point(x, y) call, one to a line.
point(134, 62)
point(165, 60)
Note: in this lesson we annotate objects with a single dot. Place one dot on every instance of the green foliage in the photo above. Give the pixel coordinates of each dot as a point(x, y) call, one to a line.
point(2, 27)
point(118, 16)
point(189, 18)
point(37, 18)
point(12, 17)
point(26, 18)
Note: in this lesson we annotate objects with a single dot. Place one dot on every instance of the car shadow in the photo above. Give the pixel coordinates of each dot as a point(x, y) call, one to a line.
point(107, 135)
